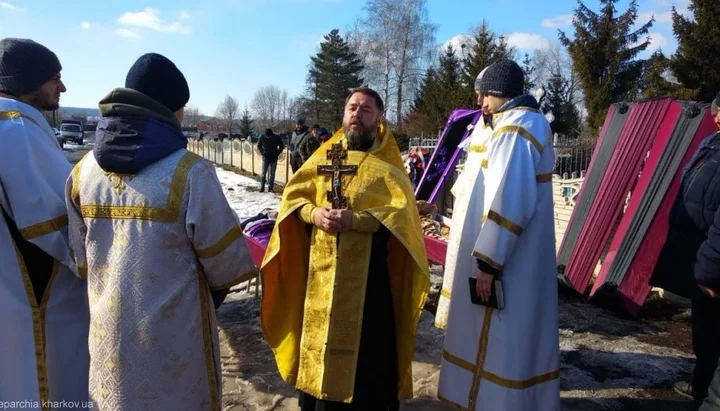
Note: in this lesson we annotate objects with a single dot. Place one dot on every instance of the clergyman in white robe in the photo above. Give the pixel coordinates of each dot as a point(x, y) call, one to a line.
point(508, 359)
point(154, 235)
point(43, 305)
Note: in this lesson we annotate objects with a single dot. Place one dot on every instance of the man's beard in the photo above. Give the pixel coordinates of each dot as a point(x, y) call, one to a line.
point(362, 138)
point(41, 101)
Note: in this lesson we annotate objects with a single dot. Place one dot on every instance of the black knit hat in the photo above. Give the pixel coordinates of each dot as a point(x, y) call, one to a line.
point(158, 78)
point(25, 66)
point(503, 78)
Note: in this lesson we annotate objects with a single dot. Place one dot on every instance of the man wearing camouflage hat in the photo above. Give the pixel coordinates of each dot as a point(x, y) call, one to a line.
point(43, 306)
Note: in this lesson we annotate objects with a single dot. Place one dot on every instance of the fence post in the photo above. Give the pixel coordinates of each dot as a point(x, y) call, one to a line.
point(252, 150)
point(287, 164)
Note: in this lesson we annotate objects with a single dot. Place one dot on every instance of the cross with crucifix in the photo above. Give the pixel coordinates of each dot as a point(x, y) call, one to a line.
point(337, 154)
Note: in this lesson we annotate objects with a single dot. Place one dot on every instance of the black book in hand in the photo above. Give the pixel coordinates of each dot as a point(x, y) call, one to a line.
point(497, 298)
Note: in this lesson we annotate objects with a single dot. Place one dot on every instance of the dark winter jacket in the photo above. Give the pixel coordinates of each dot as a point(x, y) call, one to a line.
point(134, 132)
point(271, 147)
point(307, 147)
point(712, 402)
point(691, 253)
point(297, 137)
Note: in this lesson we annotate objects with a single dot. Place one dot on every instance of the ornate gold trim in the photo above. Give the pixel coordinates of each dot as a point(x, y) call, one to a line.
point(203, 289)
point(488, 260)
point(521, 384)
point(503, 222)
point(544, 178)
point(44, 228)
point(230, 237)
point(480, 362)
point(75, 191)
point(13, 114)
point(445, 293)
point(496, 379)
point(169, 214)
point(452, 359)
point(522, 132)
point(38, 319)
point(452, 404)
point(484, 164)
point(477, 148)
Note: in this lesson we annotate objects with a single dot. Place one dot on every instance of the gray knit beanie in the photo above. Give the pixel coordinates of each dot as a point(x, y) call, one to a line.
point(503, 78)
point(25, 66)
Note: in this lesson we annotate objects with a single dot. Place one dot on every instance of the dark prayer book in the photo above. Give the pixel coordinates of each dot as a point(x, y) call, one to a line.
point(497, 298)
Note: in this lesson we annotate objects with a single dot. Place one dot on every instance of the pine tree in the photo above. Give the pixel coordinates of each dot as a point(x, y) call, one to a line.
point(696, 62)
point(603, 55)
point(486, 48)
point(449, 75)
point(654, 83)
point(246, 124)
point(529, 71)
point(558, 100)
point(429, 99)
point(334, 71)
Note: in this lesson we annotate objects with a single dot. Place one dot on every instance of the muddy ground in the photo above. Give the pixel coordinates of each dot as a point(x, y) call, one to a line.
point(607, 363)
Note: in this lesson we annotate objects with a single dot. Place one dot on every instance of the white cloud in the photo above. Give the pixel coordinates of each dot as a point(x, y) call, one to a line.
point(184, 15)
point(657, 41)
point(527, 41)
point(457, 42)
point(150, 19)
point(557, 22)
point(7, 6)
point(85, 25)
point(128, 34)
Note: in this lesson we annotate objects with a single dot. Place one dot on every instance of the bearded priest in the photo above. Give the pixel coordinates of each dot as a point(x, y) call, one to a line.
point(345, 274)
point(501, 350)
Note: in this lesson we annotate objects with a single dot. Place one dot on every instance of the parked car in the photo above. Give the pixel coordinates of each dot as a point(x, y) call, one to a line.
point(72, 130)
point(59, 137)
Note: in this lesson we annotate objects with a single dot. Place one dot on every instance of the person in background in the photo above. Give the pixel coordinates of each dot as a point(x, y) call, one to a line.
point(323, 135)
point(159, 245)
point(301, 132)
point(689, 262)
point(309, 144)
point(270, 146)
point(43, 309)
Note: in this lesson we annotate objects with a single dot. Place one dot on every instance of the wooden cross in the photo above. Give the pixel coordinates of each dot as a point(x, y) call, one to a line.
point(337, 154)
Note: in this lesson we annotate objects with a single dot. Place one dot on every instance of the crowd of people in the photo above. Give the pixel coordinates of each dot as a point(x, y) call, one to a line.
point(112, 269)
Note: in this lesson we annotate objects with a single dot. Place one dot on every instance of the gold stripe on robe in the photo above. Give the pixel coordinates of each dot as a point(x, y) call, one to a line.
point(312, 308)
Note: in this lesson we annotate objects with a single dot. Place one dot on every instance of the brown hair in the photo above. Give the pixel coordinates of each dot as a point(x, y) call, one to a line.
point(368, 92)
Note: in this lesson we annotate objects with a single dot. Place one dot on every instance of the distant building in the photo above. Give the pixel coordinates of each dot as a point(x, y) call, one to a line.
point(212, 125)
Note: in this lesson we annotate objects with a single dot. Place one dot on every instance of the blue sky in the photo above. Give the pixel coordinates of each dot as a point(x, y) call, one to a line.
point(237, 46)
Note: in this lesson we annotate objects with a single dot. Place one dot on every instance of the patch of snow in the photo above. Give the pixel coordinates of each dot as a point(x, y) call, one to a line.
point(243, 195)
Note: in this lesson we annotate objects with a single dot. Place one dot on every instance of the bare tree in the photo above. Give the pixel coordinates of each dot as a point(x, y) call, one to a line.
point(554, 61)
point(269, 104)
point(191, 116)
point(401, 39)
point(229, 111)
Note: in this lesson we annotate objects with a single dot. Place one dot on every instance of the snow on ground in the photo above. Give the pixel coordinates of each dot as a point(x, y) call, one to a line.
point(244, 196)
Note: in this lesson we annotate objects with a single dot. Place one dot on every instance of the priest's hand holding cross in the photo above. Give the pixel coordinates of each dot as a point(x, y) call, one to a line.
point(332, 221)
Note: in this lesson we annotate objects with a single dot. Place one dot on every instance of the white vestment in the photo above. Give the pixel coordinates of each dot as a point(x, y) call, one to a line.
point(152, 246)
point(503, 360)
point(43, 355)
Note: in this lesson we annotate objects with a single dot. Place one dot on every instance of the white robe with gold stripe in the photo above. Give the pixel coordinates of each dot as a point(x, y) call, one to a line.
point(508, 360)
point(152, 246)
point(43, 347)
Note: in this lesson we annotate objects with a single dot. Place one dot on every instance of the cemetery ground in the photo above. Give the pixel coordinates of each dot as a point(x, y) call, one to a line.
point(607, 363)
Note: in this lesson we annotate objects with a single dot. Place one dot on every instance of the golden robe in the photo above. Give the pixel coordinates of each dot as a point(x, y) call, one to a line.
point(314, 350)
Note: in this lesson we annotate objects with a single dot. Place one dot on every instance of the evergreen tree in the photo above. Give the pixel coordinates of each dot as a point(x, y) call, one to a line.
point(334, 71)
point(559, 101)
point(654, 81)
point(696, 62)
point(429, 99)
point(603, 54)
point(486, 48)
point(449, 75)
point(246, 124)
point(529, 71)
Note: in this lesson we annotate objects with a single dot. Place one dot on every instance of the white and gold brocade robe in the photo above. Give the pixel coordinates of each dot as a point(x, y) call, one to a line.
point(152, 246)
point(43, 346)
point(504, 360)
